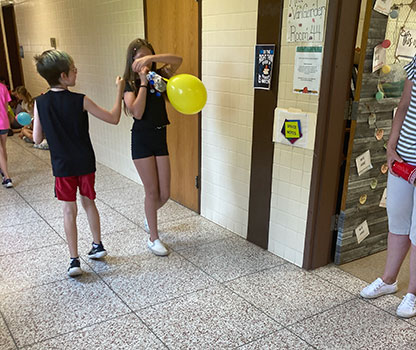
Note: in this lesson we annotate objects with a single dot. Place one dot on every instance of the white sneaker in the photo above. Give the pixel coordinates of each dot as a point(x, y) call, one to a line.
point(407, 307)
point(378, 288)
point(157, 247)
point(146, 225)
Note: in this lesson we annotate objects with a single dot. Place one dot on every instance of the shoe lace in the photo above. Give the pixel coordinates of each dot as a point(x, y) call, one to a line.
point(377, 285)
point(408, 301)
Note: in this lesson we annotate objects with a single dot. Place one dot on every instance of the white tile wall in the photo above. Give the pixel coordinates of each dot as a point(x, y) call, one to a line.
point(96, 34)
point(291, 169)
point(228, 39)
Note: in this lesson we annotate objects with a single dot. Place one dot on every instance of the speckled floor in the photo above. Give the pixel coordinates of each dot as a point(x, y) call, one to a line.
point(214, 291)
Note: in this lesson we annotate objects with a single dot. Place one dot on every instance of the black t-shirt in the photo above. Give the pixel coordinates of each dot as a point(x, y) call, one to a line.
point(154, 114)
point(65, 124)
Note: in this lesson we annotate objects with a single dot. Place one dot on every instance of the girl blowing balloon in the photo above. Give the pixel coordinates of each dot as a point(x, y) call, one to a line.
point(148, 135)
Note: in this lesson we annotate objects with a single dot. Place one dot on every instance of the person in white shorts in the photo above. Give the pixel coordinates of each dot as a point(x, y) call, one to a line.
point(401, 202)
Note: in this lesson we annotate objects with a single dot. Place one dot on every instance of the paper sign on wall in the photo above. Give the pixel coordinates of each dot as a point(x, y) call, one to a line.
point(306, 21)
point(362, 232)
point(406, 46)
point(383, 201)
point(308, 67)
point(263, 68)
point(383, 6)
point(363, 163)
point(379, 58)
point(291, 128)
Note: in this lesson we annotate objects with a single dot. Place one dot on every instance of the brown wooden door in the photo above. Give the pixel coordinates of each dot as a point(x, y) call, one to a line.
point(173, 27)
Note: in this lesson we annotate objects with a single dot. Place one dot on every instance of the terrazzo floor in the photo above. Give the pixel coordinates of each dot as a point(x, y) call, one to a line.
point(214, 291)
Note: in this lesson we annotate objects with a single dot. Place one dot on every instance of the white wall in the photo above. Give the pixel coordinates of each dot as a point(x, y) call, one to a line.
point(96, 34)
point(228, 39)
point(292, 168)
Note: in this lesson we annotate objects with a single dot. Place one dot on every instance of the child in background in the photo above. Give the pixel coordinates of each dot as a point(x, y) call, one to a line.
point(27, 104)
point(63, 116)
point(4, 130)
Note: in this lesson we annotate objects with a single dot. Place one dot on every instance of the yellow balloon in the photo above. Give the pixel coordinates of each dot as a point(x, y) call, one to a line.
point(386, 69)
point(186, 93)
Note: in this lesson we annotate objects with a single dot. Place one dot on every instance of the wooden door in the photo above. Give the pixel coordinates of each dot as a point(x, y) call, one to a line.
point(173, 27)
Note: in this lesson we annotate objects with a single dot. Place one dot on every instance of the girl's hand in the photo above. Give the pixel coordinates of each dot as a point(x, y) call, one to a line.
point(392, 157)
point(142, 74)
point(140, 63)
point(120, 83)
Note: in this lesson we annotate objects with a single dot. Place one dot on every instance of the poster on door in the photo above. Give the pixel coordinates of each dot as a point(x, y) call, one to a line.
point(306, 21)
point(406, 46)
point(263, 69)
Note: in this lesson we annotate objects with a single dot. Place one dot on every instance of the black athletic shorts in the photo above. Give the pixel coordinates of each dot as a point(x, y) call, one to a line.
point(148, 142)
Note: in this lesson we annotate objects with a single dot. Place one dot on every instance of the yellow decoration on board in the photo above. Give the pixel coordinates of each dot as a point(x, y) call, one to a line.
point(386, 69)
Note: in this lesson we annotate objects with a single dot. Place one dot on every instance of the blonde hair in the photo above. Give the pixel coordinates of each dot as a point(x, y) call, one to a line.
point(27, 97)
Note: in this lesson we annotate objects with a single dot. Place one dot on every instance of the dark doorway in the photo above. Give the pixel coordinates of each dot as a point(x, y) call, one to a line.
point(13, 49)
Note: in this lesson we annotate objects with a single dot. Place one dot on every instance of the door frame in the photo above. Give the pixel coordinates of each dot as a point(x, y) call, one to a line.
point(340, 41)
point(200, 77)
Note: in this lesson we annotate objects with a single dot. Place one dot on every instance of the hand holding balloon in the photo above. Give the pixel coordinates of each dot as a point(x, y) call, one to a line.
point(24, 118)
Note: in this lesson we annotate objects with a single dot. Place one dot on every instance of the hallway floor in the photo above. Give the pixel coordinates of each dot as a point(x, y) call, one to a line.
point(214, 291)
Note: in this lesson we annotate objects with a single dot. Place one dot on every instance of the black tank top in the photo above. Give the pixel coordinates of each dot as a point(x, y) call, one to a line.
point(65, 124)
point(154, 114)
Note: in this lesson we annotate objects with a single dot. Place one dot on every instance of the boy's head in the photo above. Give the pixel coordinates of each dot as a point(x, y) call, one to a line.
point(55, 66)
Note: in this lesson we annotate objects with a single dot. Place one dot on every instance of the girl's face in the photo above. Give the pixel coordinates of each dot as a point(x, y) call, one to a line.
point(143, 52)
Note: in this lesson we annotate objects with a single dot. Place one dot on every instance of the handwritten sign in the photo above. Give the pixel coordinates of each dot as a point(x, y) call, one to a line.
point(383, 6)
point(379, 58)
point(362, 232)
point(292, 129)
point(306, 21)
point(383, 201)
point(363, 163)
point(406, 47)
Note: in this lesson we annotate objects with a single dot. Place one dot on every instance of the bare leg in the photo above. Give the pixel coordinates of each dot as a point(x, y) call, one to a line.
point(28, 133)
point(412, 278)
point(163, 172)
point(93, 218)
point(397, 248)
point(147, 169)
point(3, 156)
point(70, 224)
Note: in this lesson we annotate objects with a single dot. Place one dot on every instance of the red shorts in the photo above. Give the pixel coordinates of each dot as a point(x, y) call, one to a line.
point(66, 187)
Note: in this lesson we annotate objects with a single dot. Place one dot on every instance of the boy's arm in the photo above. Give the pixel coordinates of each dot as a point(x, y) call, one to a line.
point(37, 127)
point(113, 116)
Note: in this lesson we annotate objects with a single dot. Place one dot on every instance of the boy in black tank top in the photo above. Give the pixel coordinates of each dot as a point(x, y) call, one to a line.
point(63, 116)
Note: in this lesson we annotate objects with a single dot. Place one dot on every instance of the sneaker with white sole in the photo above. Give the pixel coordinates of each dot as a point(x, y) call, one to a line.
point(7, 183)
point(157, 247)
point(97, 251)
point(407, 307)
point(378, 288)
point(74, 267)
